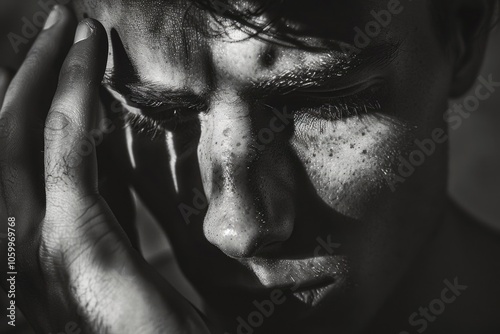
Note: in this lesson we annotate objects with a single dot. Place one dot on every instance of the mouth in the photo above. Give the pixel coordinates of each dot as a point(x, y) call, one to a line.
point(308, 280)
point(312, 296)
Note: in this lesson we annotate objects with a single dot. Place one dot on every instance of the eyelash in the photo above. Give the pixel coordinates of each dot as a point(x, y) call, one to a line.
point(341, 107)
point(315, 111)
point(141, 124)
point(158, 121)
point(307, 108)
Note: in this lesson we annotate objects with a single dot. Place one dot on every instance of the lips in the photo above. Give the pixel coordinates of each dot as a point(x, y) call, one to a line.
point(309, 280)
point(312, 297)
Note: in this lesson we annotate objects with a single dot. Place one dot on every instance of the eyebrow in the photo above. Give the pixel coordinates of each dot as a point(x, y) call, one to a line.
point(327, 73)
point(143, 92)
point(330, 73)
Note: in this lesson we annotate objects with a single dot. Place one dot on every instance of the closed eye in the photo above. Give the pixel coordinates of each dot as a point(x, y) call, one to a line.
point(153, 118)
point(331, 105)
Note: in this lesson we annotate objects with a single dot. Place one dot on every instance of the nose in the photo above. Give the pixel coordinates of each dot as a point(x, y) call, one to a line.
point(249, 185)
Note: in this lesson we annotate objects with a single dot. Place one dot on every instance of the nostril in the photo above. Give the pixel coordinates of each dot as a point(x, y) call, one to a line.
point(250, 199)
point(241, 231)
point(237, 239)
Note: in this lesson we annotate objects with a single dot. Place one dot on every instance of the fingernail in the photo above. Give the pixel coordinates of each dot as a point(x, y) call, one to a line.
point(82, 32)
point(53, 18)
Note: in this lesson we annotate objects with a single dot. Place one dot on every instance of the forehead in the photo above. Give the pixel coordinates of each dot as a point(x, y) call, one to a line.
point(174, 38)
point(165, 24)
point(158, 39)
point(319, 18)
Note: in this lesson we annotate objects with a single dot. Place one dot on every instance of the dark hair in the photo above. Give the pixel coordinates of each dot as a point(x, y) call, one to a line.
point(250, 18)
point(261, 18)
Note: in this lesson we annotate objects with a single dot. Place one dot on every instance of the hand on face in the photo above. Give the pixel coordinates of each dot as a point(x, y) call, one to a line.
point(72, 254)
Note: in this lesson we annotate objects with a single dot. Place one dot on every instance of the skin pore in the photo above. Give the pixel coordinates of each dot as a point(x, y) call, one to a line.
point(323, 175)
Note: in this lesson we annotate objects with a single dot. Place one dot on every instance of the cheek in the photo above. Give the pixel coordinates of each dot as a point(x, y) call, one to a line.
point(349, 161)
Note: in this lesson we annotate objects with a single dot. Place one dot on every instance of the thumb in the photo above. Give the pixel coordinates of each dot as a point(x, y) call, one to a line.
point(70, 156)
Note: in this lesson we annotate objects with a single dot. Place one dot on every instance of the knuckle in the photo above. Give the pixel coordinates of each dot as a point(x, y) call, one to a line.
point(57, 126)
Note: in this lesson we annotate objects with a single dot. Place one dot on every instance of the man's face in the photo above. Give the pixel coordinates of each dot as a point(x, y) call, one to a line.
point(273, 166)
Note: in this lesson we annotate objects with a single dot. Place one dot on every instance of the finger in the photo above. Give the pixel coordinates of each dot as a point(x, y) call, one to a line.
point(31, 90)
point(70, 157)
point(4, 84)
